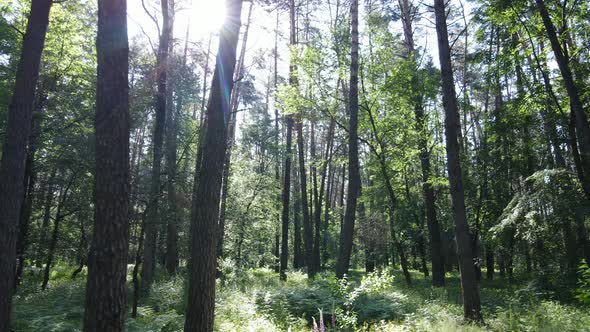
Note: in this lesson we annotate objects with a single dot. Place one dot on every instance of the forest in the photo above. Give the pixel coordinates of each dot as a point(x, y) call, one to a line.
point(294, 165)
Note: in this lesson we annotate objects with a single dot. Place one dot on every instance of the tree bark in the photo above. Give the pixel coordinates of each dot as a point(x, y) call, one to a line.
point(14, 151)
point(470, 288)
point(347, 233)
point(205, 230)
point(106, 293)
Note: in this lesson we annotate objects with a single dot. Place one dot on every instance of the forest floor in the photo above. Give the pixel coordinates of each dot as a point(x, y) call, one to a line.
point(255, 300)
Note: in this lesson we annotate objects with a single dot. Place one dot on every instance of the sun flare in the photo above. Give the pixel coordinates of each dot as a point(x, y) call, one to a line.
point(206, 16)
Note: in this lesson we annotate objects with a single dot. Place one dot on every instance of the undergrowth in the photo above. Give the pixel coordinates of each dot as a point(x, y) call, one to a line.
point(255, 300)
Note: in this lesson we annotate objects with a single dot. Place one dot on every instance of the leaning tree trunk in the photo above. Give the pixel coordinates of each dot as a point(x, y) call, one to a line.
point(582, 129)
point(205, 206)
point(471, 300)
point(152, 221)
point(106, 293)
point(234, 103)
point(346, 235)
point(14, 152)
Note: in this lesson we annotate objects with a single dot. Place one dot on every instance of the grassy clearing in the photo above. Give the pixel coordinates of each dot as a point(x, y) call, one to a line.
point(255, 300)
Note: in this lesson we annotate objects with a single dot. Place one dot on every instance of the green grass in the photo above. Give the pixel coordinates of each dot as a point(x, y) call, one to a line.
point(255, 300)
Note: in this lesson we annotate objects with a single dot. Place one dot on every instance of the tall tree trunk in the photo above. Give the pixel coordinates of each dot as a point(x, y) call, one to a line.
point(298, 258)
point(205, 206)
point(173, 122)
point(234, 103)
point(153, 208)
point(30, 183)
point(319, 196)
point(14, 151)
point(286, 198)
point(582, 129)
point(326, 224)
point(287, 171)
point(276, 139)
point(106, 292)
point(436, 250)
point(307, 223)
point(471, 300)
point(314, 201)
point(347, 233)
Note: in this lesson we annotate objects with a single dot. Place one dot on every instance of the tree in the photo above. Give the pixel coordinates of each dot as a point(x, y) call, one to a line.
point(471, 301)
point(287, 170)
point(153, 214)
point(346, 235)
point(14, 151)
point(205, 206)
point(580, 119)
point(173, 122)
point(436, 250)
point(106, 293)
point(234, 103)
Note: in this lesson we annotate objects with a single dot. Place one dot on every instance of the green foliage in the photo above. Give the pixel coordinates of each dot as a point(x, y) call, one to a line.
point(583, 292)
point(254, 300)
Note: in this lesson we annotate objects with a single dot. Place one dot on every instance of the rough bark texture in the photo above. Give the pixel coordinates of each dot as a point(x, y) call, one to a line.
point(106, 293)
point(354, 178)
point(471, 300)
point(206, 198)
point(436, 251)
point(153, 216)
point(14, 152)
